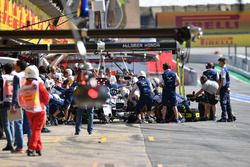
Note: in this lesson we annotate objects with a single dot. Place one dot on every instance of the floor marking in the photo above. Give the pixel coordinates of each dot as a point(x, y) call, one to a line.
point(103, 139)
point(51, 139)
point(111, 138)
point(240, 97)
point(56, 140)
point(151, 138)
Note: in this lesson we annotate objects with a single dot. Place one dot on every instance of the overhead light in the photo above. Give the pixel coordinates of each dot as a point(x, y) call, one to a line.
point(81, 48)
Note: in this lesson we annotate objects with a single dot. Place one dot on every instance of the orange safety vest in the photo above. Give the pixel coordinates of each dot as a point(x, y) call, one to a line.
point(7, 88)
point(28, 97)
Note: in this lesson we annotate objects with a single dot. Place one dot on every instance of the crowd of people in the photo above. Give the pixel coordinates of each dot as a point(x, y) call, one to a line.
point(25, 97)
point(45, 96)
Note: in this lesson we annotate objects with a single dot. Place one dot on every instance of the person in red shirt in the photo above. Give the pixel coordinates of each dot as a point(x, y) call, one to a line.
point(33, 97)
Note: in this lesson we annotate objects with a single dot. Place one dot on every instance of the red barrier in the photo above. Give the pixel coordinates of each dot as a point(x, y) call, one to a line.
point(154, 67)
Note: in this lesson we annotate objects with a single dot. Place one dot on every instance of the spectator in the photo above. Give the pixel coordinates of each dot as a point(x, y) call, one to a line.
point(58, 80)
point(53, 72)
point(224, 92)
point(68, 81)
point(23, 124)
point(1, 98)
point(112, 78)
point(43, 75)
point(7, 92)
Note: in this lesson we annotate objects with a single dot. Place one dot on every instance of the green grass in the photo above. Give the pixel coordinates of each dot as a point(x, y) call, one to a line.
point(235, 75)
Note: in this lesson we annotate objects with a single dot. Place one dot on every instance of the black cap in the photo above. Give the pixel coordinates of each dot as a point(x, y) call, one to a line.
point(210, 65)
point(222, 59)
point(166, 66)
point(42, 70)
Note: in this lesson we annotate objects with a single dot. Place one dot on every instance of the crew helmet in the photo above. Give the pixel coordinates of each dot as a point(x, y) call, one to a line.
point(31, 72)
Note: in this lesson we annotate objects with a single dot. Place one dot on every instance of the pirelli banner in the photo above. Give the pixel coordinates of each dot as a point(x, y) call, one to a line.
point(220, 28)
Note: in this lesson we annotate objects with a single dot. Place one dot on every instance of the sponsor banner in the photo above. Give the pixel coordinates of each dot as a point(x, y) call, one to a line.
point(15, 14)
point(211, 22)
point(222, 40)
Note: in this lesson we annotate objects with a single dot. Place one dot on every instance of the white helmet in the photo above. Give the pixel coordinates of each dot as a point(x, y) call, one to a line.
point(69, 71)
point(80, 66)
point(31, 72)
point(156, 80)
point(76, 65)
point(58, 77)
point(49, 83)
point(143, 74)
point(88, 66)
point(124, 91)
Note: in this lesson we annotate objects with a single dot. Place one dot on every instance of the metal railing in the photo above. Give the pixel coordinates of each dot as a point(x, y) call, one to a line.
point(239, 57)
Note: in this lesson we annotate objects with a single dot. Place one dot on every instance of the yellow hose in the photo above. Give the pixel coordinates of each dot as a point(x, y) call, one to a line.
point(182, 81)
point(178, 73)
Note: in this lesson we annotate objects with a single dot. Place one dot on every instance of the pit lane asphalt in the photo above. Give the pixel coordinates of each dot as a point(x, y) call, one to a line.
point(203, 143)
point(159, 145)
